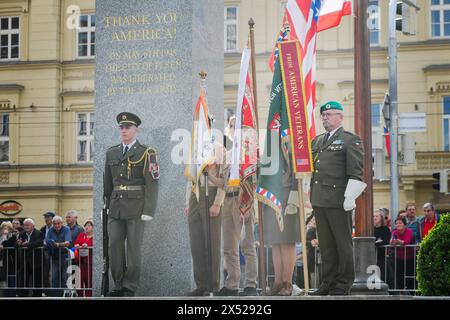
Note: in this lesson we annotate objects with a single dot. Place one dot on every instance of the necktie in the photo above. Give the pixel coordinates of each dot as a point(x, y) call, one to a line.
point(126, 150)
point(327, 136)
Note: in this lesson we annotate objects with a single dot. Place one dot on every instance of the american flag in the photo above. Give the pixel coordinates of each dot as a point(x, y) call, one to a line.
point(303, 17)
point(306, 18)
point(302, 162)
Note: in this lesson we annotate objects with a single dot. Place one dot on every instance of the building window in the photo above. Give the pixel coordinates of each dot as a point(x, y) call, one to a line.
point(440, 18)
point(446, 124)
point(374, 22)
point(9, 38)
point(85, 137)
point(231, 29)
point(4, 137)
point(86, 37)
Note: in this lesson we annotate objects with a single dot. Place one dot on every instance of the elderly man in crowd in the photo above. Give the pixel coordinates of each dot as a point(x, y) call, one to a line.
point(48, 216)
point(30, 253)
point(429, 220)
point(72, 224)
point(58, 241)
point(412, 222)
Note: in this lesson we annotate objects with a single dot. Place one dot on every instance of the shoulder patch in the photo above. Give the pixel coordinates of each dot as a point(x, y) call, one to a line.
point(153, 166)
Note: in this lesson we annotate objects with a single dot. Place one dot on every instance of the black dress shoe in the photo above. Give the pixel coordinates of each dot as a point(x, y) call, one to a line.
point(339, 292)
point(127, 292)
point(225, 292)
point(250, 292)
point(199, 292)
point(320, 292)
point(116, 293)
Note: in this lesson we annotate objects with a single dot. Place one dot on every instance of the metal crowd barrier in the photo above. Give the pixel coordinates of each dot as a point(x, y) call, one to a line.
point(41, 273)
point(398, 268)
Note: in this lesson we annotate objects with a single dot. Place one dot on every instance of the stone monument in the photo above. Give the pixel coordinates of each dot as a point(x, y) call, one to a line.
point(148, 56)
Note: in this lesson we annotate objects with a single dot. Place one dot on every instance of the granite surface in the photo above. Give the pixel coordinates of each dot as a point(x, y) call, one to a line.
point(148, 56)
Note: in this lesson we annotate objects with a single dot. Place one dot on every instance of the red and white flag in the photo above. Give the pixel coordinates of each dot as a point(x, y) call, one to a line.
point(201, 151)
point(331, 12)
point(303, 17)
point(306, 18)
point(244, 152)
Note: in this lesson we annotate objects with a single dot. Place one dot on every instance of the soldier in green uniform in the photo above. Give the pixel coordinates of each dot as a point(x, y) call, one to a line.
point(130, 191)
point(335, 185)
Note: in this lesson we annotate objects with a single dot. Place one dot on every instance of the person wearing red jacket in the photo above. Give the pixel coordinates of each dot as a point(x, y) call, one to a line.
point(84, 244)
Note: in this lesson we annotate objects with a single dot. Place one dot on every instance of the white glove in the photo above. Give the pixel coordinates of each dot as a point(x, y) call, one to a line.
point(349, 204)
point(353, 191)
point(292, 203)
point(146, 218)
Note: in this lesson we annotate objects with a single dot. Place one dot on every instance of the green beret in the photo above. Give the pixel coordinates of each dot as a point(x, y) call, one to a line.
point(331, 105)
point(127, 119)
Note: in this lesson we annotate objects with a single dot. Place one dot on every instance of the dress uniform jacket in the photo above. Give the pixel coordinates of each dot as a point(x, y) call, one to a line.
point(131, 181)
point(335, 162)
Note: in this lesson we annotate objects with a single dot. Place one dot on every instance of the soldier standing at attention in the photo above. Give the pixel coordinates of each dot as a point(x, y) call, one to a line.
point(335, 185)
point(130, 191)
point(233, 221)
point(196, 213)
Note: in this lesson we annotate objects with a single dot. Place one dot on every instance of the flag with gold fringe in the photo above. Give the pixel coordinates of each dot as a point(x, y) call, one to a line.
point(201, 149)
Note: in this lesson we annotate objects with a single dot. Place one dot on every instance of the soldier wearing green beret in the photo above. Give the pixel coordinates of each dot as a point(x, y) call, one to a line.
point(335, 185)
point(130, 191)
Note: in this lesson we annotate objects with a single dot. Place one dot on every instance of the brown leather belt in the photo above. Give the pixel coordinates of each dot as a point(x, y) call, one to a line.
point(232, 194)
point(128, 188)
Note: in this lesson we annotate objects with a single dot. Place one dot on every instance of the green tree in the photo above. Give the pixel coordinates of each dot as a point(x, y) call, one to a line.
point(433, 262)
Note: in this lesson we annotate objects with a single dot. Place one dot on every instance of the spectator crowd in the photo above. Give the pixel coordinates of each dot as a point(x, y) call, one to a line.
point(397, 244)
point(35, 262)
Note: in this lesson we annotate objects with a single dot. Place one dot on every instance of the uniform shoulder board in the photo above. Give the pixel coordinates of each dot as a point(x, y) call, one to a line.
point(349, 133)
point(115, 146)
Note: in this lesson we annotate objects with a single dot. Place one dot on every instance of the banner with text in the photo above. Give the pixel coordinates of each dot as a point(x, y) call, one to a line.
point(300, 141)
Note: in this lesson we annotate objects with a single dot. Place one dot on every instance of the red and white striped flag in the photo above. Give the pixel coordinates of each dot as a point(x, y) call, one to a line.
point(306, 18)
point(331, 13)
point(303, 16)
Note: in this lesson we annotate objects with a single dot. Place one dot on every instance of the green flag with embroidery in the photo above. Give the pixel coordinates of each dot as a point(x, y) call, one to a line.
point(275, 156)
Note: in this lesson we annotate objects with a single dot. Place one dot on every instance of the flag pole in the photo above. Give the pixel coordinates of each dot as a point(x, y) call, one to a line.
point(262, 253)
point(203, 75)
point(301, 211)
